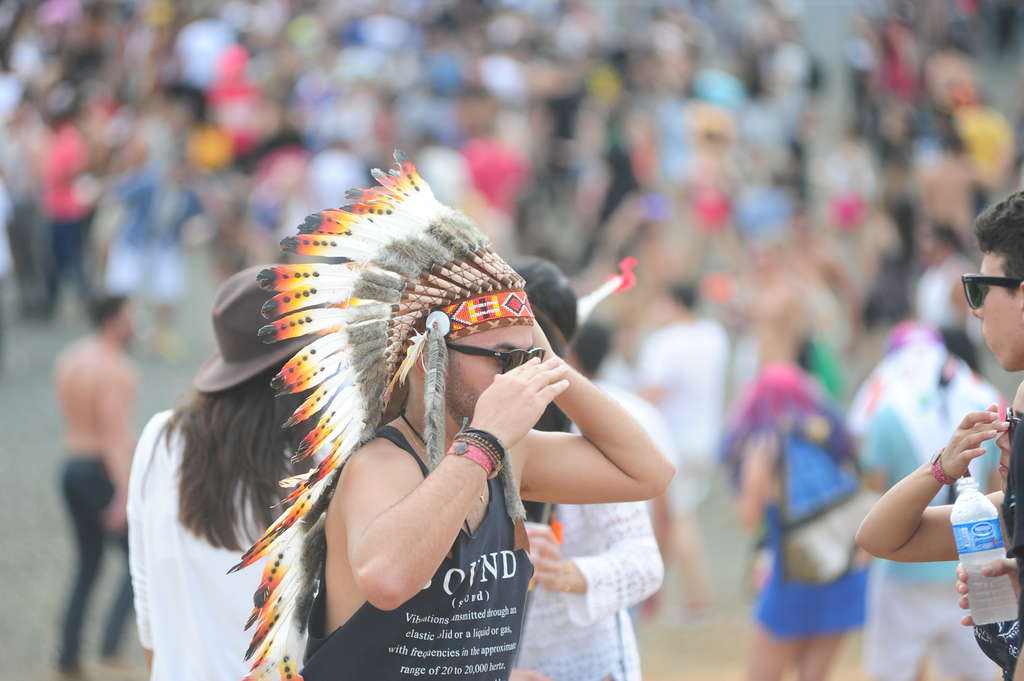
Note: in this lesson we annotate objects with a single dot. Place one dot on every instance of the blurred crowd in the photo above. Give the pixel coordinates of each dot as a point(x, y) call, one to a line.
point(781, 211)
point(692, 135)
point(689, 134)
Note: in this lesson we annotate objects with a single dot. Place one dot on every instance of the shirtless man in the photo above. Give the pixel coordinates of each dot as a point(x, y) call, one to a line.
point(95, 385)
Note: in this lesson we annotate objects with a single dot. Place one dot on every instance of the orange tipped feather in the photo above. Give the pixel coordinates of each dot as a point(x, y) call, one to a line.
point(290, 277)
point(312, 405)
point(320, 321)
point(303, 297)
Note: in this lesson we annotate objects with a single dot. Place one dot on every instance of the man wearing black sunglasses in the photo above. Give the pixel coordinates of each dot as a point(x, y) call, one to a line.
point(507, 359)
point(977, 286)
point(902, 526)
point(996, 297)
point(403, 553)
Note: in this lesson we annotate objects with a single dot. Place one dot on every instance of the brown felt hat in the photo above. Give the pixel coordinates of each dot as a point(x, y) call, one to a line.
point(240, 354)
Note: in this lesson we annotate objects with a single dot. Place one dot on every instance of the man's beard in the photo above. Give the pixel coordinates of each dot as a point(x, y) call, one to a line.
point(460, 402)
point(460, 399)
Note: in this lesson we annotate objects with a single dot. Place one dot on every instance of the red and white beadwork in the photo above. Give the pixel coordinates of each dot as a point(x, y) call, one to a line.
point(467, 314)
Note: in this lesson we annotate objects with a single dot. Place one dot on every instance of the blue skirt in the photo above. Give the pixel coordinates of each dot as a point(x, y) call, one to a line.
point(795, 610)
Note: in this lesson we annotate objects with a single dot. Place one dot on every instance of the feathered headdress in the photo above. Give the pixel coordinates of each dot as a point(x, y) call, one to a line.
point(415, 274)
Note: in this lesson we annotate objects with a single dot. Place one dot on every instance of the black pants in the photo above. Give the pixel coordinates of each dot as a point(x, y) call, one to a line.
point(87, 492)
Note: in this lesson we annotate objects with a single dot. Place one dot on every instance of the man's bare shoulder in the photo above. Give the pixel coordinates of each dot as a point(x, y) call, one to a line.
point(380, 457)
point(72, 360)
point(378, 468)
point(125, 368)
point(116, 364)
point(117, 372)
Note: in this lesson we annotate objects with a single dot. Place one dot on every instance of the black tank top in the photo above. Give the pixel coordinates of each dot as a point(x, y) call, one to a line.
point(465, 623)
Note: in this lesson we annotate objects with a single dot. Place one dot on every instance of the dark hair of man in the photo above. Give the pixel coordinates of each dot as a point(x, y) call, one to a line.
point(592, 344)
point(685, 294)
point(235, 452)
point(1000, 231)
point(102, 310)
point(554, 306)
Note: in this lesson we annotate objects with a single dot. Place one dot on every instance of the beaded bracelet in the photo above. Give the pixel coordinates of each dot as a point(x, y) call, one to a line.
point(486, 439)
point(939, 473)
point(487, 436)
point(496, 455)
point(489, 443)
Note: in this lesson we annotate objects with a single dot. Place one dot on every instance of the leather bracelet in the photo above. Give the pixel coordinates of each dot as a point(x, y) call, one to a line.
point(475, 454)
point(489, 442)
point(939, 473)
point(488, 436)
point(497, 455)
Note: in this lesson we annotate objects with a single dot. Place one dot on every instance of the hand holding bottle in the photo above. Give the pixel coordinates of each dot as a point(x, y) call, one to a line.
point(997, 568)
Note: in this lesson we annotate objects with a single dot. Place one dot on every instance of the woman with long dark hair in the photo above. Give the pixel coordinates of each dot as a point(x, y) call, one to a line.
point(204, 481)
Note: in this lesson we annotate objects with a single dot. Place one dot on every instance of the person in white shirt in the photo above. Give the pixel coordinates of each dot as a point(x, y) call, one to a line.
point(604, 560)
point(203, 482)
point(682, 369)
point(198, 46)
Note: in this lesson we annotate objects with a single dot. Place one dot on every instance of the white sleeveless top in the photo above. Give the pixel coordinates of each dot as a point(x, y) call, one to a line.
point(188, 610)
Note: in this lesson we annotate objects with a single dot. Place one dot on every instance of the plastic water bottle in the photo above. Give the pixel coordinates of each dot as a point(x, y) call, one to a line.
point(979, 541)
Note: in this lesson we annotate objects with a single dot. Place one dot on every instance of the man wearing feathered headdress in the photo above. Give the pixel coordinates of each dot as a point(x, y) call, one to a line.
point(401, 554)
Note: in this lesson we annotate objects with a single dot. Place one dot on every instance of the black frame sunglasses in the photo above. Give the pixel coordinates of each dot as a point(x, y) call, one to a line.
point(976, 287)
point(508, 359)
point(1014, 421)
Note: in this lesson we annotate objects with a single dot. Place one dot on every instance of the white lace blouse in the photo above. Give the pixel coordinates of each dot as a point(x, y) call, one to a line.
point(589, 637)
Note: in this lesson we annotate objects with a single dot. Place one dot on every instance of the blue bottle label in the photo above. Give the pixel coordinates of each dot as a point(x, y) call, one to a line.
point(981, 535)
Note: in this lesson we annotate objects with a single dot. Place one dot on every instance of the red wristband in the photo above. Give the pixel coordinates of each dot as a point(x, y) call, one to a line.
point(473, 453)
point(939, 474)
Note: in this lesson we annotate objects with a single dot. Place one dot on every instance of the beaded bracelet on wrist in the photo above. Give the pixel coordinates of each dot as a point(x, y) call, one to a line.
point(494, 460)
point(486, 446)
point(940, 474)
point(460, 444)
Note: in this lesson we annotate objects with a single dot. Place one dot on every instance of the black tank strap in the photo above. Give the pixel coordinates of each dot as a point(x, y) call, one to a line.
point(395, 437)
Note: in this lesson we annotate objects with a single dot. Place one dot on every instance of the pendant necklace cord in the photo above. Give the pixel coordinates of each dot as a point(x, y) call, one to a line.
point(415, 432)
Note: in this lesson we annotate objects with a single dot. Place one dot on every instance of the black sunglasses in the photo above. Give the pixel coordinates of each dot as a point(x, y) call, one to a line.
point(1013, 420)
point(976, 287)
point(509, 359)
